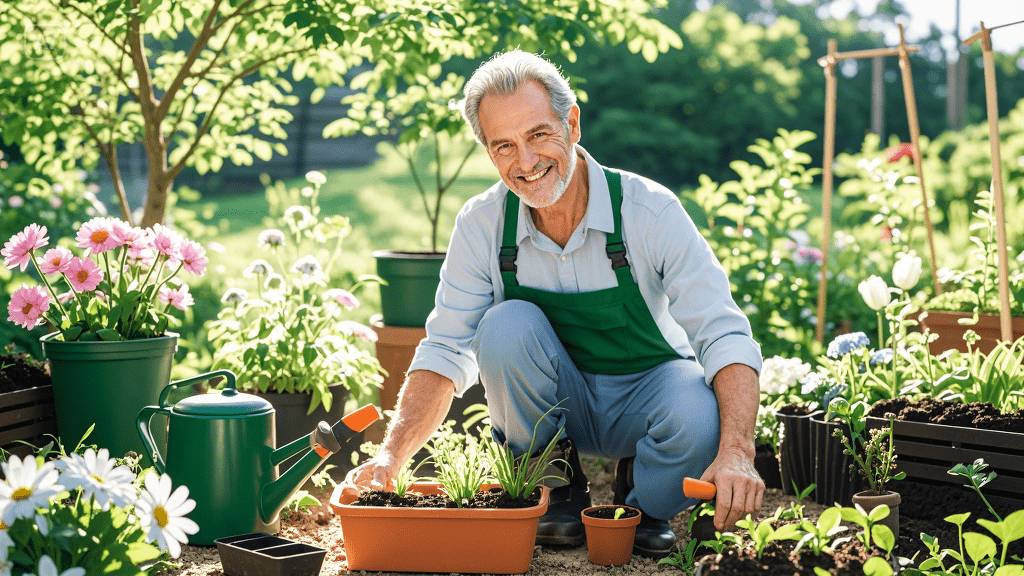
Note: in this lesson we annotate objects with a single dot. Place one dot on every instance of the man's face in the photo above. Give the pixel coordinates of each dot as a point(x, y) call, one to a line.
point(528, 145)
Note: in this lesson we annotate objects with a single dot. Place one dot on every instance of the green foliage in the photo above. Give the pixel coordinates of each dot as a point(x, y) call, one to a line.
point(821, 535)
point(762, 533)
point(874, 456)
point(884, 537)
point(461, 465)
point(520, 474)
point(293, 335)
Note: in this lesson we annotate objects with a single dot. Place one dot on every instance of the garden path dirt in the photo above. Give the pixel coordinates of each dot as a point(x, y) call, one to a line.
point(319, 527)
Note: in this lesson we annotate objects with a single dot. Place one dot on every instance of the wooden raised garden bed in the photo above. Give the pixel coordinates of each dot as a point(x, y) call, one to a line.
point(26, 415)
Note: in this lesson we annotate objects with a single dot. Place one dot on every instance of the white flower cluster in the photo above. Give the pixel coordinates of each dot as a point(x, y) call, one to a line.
point(779, 374)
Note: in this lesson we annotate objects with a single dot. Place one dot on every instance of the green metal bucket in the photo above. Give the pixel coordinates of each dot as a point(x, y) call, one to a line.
point(107, 384)
point(412, 279)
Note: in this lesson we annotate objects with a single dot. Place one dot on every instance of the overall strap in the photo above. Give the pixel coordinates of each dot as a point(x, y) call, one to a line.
point(509, 249)
point(614, 247)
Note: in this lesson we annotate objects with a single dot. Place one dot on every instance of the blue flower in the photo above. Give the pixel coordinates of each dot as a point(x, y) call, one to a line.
point(881, 356)
point(846, 343)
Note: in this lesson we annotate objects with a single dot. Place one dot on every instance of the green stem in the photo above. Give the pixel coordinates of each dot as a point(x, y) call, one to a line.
point(46, 282)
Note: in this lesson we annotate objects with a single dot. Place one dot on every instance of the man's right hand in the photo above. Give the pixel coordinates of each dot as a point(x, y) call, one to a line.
point(377, 473)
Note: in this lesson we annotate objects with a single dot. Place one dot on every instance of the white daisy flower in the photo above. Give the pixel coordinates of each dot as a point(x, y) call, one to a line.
point(6, 543)
point(162, 513)
point(234, 295)
point(273, 238)
point(300, 216)
point(274, 282)
point(99, 477)
point(48, 568)
point(43, 525)
point(258, 267)
point(307, 265)
point(26, 488)
point(316, 178)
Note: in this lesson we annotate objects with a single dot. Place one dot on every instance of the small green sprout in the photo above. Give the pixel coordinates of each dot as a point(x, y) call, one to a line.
point(618, 513)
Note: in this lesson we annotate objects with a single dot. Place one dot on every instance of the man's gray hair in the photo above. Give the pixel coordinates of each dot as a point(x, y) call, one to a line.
point(504, 74)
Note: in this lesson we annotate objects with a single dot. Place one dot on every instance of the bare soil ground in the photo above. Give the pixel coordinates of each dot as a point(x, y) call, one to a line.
point(319, 527)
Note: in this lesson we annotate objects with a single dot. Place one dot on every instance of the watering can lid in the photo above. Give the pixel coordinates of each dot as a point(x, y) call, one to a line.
point(228, 402)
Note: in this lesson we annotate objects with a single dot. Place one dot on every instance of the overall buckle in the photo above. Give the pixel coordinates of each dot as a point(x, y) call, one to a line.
point(617, 253)
point(507, 258)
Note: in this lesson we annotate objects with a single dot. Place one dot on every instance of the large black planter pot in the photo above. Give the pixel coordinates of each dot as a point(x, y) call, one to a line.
point(412, 278)
point(835, 482)
point(796, 452)
point(291, 423)
point(767, 465)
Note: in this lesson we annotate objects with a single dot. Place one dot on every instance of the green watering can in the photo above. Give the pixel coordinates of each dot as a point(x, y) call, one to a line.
point(222, 447)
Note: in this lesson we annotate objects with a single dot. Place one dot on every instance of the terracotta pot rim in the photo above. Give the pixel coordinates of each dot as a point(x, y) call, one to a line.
point(609, 522)
point(871, 495)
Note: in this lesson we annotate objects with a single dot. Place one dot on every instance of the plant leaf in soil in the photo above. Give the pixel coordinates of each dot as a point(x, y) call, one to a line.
point(491, 498)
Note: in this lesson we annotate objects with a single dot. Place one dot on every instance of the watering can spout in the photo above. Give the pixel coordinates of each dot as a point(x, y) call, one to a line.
point(320, 443)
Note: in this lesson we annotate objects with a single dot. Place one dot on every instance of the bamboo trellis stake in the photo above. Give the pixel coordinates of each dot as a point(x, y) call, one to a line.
point(828, 62)
point(992, 107)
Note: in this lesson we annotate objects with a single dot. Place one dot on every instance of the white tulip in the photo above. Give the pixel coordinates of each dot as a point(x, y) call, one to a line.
point(875, 292)
point(906, 272)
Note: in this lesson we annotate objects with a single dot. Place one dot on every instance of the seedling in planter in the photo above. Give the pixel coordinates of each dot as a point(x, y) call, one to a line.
point(977, 479)
point(618, 513)
point(461, 467)
point(520, 475)
point(884, 537)
point(796, 509)
point(761, 534)
point(821, 536)
point(407, 478)
point(875, 456)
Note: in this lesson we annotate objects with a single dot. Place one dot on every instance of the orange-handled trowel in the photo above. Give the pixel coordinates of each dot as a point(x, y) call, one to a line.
point(699, 489)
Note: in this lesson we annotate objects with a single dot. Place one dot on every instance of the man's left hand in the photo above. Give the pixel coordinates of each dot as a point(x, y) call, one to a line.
point(740, 489)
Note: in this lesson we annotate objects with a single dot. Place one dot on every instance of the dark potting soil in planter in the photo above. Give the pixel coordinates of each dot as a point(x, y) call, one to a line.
point(981, 415)
point(795, 410)
point(609, 513)
point(21, 372)
point(492, 498)
point(778, 558)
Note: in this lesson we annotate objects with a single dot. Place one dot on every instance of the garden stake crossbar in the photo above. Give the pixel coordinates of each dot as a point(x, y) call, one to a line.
point(828, 62)
point(992, 107)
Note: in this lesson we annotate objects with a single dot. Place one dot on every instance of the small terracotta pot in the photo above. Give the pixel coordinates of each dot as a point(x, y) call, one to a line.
point(610, 541)
point(868, 500)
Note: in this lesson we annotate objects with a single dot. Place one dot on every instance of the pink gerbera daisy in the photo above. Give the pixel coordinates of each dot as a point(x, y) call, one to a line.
point(18, 250)
point(179, 297)
point(83, 274)
point(165, 241)
point(343, 297)
point(55, 260)
point(65, 297)
point(193, 257)
point(99, 235)
point(358, 330)
point(27, 306)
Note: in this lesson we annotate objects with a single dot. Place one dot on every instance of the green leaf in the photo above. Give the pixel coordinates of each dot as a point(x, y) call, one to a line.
point(878, 513)
point(883, 537)
point(72, 333)
point(820, 571)
point(828, 520)
point(958, 519)
point(1015, 525)
point(1014, 570)
point(979, 546)
point(108, 335)
point(877, 566)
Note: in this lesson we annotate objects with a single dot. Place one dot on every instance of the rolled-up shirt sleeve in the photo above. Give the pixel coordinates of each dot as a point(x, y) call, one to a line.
point(699, 294)
point(465, 292)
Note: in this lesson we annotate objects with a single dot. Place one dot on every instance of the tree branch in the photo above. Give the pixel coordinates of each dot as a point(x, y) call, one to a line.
point(177, 168)
point(213, 61)
point(95, 25)
point(197, 47)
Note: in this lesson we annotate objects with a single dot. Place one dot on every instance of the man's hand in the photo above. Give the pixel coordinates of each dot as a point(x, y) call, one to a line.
point(377, 473)
point(740, 489)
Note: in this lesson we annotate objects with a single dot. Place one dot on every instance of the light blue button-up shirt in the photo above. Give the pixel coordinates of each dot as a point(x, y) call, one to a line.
point(685, 287)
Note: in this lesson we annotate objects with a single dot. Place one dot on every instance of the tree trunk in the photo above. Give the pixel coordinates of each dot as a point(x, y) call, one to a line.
point(159, 186)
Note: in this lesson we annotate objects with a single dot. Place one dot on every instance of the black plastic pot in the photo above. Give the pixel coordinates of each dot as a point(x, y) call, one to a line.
point(767, 465)
point(260, 554)
point(796, 452)
point(835, 481)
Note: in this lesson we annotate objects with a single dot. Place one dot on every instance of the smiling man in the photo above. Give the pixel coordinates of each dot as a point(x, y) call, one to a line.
point(573, 284)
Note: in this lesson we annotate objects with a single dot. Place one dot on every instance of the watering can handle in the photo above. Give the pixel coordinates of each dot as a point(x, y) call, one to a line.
point(227, 374)
point(145, 415)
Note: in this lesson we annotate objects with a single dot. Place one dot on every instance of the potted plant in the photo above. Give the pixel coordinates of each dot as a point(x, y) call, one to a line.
point(26, 403)
point(610, 533)
point(973, 302)
point(290, 340)
point(456, 520)
point(62, 508)
point(111, 351)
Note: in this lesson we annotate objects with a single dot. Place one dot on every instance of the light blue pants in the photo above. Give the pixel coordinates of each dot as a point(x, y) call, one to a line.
point(667, 417)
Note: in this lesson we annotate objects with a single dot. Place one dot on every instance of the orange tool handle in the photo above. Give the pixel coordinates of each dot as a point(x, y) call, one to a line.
point(699, 489)
point(361, 418)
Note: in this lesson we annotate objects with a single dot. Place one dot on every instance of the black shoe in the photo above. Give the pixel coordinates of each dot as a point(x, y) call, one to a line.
point(562, 524)
point(654, 538)
point(703, 528)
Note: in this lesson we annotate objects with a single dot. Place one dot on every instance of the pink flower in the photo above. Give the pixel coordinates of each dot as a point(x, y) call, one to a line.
point(130, 236)
point(193, 257)
point(99, 235)
point(65, 297)
point(165, 241)
point(18, 250)
point(177, 297)
point(83, 274)
point(358, 330)
point(343, 297)
point(28, 305)
point(55, 260)
point(903, 149)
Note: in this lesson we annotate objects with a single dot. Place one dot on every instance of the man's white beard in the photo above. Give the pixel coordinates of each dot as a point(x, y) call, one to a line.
point(561, 185)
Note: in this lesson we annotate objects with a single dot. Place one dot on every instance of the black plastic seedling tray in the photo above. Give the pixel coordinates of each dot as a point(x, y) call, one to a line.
point(260, 554)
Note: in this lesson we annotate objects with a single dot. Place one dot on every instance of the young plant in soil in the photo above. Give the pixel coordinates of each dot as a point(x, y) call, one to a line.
point(875, 456)
point(461, 468)
point(520, 475)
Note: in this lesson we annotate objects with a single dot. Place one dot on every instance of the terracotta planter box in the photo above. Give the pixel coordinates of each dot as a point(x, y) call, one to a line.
point(26, 415)
point(927, 452)
point(951, 333)
point(493, 541)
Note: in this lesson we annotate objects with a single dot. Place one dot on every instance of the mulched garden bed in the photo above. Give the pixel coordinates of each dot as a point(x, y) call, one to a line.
point(492, 498)
point(981, 415)
point(778, 558)
point(21, 371)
